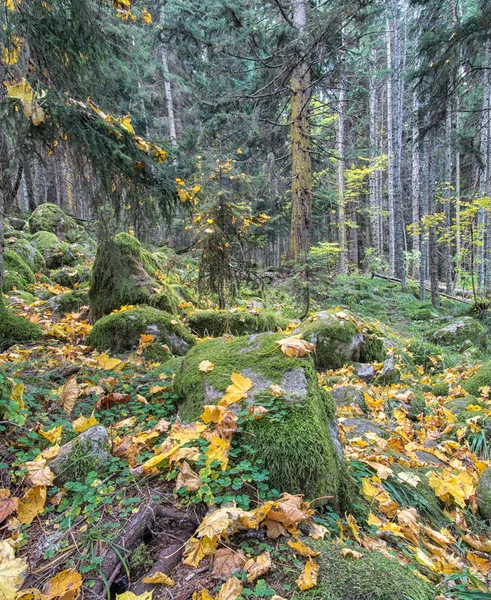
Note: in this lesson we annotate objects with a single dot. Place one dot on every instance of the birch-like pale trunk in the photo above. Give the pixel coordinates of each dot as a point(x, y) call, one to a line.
point(390, 146)
point(447, 248)
point(375, 234)
point(167, 84)
point(416, 184)
point(340, 142)
point(484, 168)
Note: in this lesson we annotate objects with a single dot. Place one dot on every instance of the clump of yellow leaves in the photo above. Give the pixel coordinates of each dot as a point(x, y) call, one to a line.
point(23, 91)
point(294, 346)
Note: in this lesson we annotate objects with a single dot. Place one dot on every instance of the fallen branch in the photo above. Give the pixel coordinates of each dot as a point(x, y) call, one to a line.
point(387, 278)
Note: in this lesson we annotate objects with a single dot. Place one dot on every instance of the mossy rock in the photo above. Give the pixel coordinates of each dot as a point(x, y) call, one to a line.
point(55, 252)
point(28, 253)
point(120, 332)
point(26, 297)
point(70, 276)
point(88, 452)
point(16, 330)
point(483, 494)
point(459, 332)
point(50, 217)
point(459, 406)
point(119, 278)
point(301, 450)
point(17, 273)
point(68, 302)
point(371, 577)
point(427, 355)
point(441, 389)
point(481, 378)
point(215, 323)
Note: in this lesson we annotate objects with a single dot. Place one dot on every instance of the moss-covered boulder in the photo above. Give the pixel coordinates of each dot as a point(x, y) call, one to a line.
point(339, 340)
point(17, 274)
point(373, 576)
point(215, 323)
point(300, 450)
point(125, 274)
point(355, 427)
point(483, 494)
point(481, 378)
point(68, 302)
point(55, 252)
point(459, 332)
point(348, 395)
point(14, 296)
point(50, 217)
point(27, 252)
point(15, 330)
point(72, 276)
point(88, 452)
point(120, 332)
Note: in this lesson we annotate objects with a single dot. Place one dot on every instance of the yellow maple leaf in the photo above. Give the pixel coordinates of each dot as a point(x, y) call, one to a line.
point(480, 564)
point(69, 394)
point(230, 590)
point(32, 504)
point(294, 346)
point(133, 596)
point(53, 435)
point(213, 413)
point(308, 577)
point(83, 423)
point(257, 566)
point(39, 473)
point(65, 584)
point(354, 527)
point(218, 450)
point(206, 366)
point(238, 390)
point(350, 553)
point(159, 577)
point(107, 363)
point(202, 594)
point(12, 575)
point(302, 548)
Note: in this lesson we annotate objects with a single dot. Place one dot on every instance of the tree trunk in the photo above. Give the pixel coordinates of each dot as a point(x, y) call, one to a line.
point(373, 177)
point(167, 84)
point(416, 185)
point(432, 243)
point(447, 248)
point(340, 141)
point(390, 146)
point(484, 168)
point(301, 220)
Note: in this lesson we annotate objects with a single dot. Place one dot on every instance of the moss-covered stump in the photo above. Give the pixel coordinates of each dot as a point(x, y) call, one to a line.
point(215, 323)
point(15, 330)
point(481, 378)
point(50, 217)
point(338, 341)
point(371, 577)
point(300, 450)
point(27, 252)
point(483, 494)
point(55, 252)
point(121, 276)
point(120, 332)
point(17, 274)
point(88, 452)
point(465, 330)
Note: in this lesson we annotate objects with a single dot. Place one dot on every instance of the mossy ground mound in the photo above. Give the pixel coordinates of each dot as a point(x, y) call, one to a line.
point(55, 252)
point(15, 330)
point(298, 449)
point(120, 332)
point(465, 330)
point(69, 301)
point(71, 276)
point(17, 273)
point(215, 323)
point(371, 577)
point(50, 217)
point(481, 378)
point(28, 253)
point(122, 275)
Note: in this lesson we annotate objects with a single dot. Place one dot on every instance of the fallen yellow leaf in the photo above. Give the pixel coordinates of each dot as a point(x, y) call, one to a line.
point(157, 578)
point(309, 575)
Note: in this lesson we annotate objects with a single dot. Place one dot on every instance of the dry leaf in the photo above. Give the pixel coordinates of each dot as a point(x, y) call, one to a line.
point(53, 435)
point(255, 567)
point(302, 548)
point(206, 366)
point(38, 472)
point(65, 585)
point(275, 529)
point(32, 504)
point(110, 400)
point(230, 590)
point(70, 394)
point(12, 575)
point(157, 578)
point(309, 575)
point(226, 561)
point(83, 423)
point(350, 553)
point(8, 505)
point(296, 347)
point(187, 478)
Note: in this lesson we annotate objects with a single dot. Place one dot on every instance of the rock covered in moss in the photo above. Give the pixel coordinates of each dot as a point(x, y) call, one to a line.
point(68, 302)
point(373, 576)
point(88, 452)
point(71, 276)
point(481, 378)
point(27, 252)
point(299, 450)
point(50, 217)
point(389, 373)
point(15, 330)
point(17, 273)
point(461, 331)
point(55, 252)
point(216, 323)
point(348, 395)
point(124, 274)
point(120, 331)
point(358, 427)
point(483, 494)
point(16, 296)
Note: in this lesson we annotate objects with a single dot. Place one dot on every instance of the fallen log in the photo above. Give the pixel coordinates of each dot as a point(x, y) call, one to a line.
point(387, 278)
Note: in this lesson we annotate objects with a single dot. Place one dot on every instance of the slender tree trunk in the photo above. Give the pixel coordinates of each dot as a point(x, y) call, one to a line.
point(340, 141)
point(167, 83)
point(432, 243)
point(484, 168)
point(373, 177)
point(390, 147)
point(425, 191)
point(447, 248)
point(301, 221)
point(416, 185)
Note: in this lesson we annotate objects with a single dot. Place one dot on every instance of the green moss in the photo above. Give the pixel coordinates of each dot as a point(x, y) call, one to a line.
point(483, 494)
point(15, 330)
point(55, 252)
point(69, 276)
point(69, 301)
point(17, 274)
point(418, 404)
point(28, 253)
point(50, 217)
point(121, 331)
point(431, 357)
point(5, 384)
point(120, 279)
point(297, 449)
point(481, 378)
point(441, 389)
point(459, 332)
point(23, 295)
point(371, 577)
point(216, 323)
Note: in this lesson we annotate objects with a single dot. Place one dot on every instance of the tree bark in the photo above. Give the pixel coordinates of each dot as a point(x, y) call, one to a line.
point(340, 140)
point(416, 185)
point(390, 146)
point(301, 219)
point(167, 83)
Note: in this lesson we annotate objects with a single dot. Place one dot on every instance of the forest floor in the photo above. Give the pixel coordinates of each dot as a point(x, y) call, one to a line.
point(415, 471)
